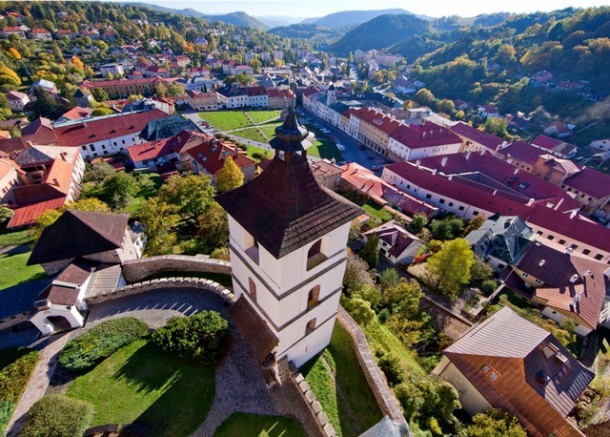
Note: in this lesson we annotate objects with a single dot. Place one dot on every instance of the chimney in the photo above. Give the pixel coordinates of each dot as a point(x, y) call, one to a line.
point(418, 163)
point(55, 182)
point(467, 155)
point(434, 172)
point(29, 144)
point(573, 214)
point(444, 161)
point(62, 155)
point(516, 171)
point(541, 263)
point(531, 201)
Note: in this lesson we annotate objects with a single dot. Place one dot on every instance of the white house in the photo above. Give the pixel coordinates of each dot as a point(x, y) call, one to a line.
point(17, 100)
point(395, 243)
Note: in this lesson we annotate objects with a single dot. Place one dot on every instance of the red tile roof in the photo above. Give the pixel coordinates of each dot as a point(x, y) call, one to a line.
point(545, 142)
point(425, 135)
point(470, 133)
point(122, 82)
point(77, 113)
point(376, 119)
point(211, 154)
point(104, 128)
point(154, 149)
point(501, 175)
point(27, 215)
point(591, 182)
point(503, 357)
point(578, 228)
point(522, 151)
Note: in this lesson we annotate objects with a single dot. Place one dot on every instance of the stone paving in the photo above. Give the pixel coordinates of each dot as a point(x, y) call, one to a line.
point(39, 382)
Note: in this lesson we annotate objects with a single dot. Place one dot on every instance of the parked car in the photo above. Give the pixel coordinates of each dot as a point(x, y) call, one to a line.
point(341, 147)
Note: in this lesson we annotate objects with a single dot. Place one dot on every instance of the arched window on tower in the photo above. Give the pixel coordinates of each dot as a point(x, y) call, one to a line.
point(311, 325)
point(315, 256)
point(313, 297)
point(252, 289)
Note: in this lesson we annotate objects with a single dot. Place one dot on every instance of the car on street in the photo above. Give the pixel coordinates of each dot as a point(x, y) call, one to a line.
point(341, 147)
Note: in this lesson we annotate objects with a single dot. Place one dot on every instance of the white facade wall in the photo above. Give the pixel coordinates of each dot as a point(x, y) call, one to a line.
point(444, 203)
point(109, 146)
point(6, 186)
point(551, 238)
point(18, 104)
point(258, 101)
point(283, 286)
point(603, 145)
point(472, 400)
point(551, 313)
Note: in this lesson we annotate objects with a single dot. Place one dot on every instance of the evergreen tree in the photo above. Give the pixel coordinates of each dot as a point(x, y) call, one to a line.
point(370, 252)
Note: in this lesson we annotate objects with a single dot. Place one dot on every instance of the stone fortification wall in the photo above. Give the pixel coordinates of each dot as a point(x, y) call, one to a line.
point(139, 269)
point(383, 395)
point(205, 285)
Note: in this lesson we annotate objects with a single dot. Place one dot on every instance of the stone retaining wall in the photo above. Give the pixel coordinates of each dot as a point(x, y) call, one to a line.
point(155, 284)
point(138, 269)
point(383, 395)
point(315, 408)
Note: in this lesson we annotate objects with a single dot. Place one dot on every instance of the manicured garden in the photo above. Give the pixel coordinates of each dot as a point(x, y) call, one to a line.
point(258, 153)
point(259, 117)
point(226, 120)
point(252, 133)
point(133, 377)
point(14, 271)
point(253, 425)
point(374, 210)
point(325, 149)
point(352, 409)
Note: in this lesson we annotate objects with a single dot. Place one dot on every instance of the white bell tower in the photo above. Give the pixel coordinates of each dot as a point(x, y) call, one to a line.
point(288, 240)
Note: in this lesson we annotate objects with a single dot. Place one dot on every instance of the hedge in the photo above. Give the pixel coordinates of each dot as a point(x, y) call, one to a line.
point(93, 346)
point(16, 367)
point(57, 416)
point(204, 336)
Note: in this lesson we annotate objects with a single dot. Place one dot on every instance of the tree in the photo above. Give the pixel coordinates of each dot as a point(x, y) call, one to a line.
point(46, 105)
point(388, 278)
point(45, 219)
point(359, 309)
point(5, 215)
point(14, 53)
point(98, 172)
point(370, 252)
point(159, 218)
point(230, 176)
point(450, 267)
point(77, 63)
point(357, 274)
point(204, 336)
point(424, 97)
point(214, 227)
point(91, 204)
point(475, 224)
point(118, 189)
point(480, 270)
point(9, 80)
point(175, 90)
point(493, 422)
point(496, 126)
point(192, 194)
point(418, 222)
point(161, 90)
point(100, 94)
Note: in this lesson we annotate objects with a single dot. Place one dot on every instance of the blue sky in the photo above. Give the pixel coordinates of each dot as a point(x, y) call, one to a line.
point(433, 8)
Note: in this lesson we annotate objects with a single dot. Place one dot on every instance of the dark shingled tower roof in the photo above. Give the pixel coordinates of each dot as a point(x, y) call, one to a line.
point(79, 233)
point(285, 208)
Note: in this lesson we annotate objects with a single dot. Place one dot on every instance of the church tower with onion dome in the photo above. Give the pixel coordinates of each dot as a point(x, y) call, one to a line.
point(288, 238)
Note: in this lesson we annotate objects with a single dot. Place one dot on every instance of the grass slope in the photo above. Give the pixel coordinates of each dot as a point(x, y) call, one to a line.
point(140, 383)
point(242, 424)
point(15, 238)
point(361, 410)
point(14, 271)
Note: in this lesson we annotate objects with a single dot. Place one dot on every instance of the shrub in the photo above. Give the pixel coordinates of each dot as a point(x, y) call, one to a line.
point(203, 337)
point(391, 368)
point(57, 416)
point(93, 346)
point(489, 286)
point(17, 367)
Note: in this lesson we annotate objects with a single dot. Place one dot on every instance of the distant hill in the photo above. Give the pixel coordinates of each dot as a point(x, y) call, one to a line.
point(309, 31)
point(240, 19)
point(278, 20)
point(381, 32)
point(350, 18)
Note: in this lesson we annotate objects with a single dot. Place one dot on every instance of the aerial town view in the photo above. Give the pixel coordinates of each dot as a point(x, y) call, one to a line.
point(264, 218)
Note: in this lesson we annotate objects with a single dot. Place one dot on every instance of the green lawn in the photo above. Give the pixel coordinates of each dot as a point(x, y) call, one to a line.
point(252, 133)
point(226, 120)
point(152, 182)
point(253, 425)
point(377, 211)
point(169, 395)
point(269, 129)
point(258, 153)
point(341, 359)
point(325, 149)
point(259, 117)
point(13, 270)
point(15, 238)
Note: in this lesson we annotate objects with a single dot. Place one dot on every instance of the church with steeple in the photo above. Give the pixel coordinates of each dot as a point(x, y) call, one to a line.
point(288, 238)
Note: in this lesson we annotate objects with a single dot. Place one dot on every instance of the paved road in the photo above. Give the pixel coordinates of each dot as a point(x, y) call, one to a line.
point(353, 153)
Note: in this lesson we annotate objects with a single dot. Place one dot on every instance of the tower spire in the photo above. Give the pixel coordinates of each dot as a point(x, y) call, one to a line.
point(290, 136)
